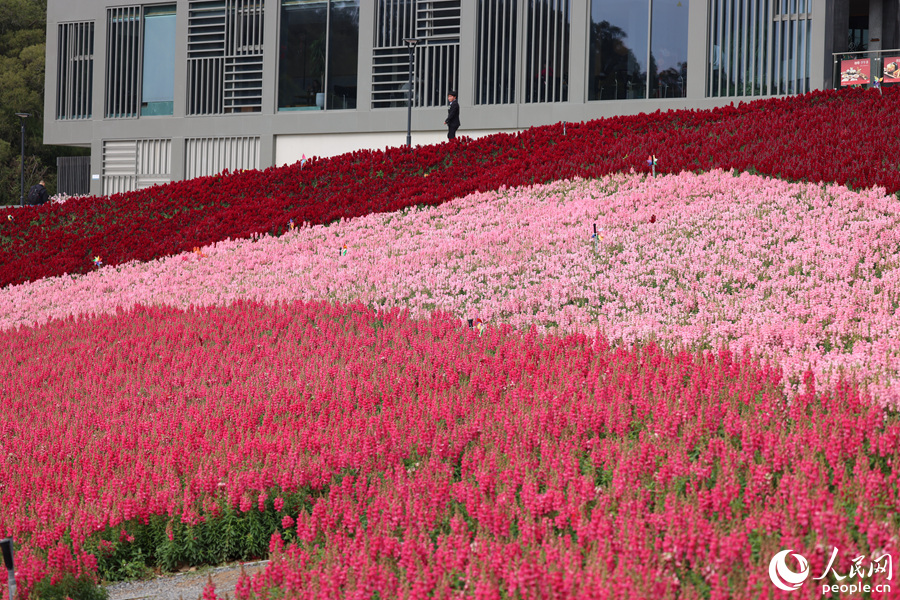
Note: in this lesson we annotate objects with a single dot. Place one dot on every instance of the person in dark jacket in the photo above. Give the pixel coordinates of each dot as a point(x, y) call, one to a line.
point(452, 121)
point(38, 194)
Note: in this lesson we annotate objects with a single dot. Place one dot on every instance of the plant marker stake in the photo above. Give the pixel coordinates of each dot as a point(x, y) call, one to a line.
point(6, 545)
point(564, 128)
point(595, 238)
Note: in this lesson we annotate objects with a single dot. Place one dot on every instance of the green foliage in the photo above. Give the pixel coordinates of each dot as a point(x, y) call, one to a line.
point(68, 586)
point(22, 52)
point(167, 544)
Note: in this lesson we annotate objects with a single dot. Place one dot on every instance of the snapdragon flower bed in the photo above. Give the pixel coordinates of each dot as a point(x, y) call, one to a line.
point(803, 275)
point(397, 457)
point(794, 138)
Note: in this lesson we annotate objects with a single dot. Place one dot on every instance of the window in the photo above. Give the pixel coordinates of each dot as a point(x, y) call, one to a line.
point(668, 49)
point(140, 61)
point(544, 58)
point(75, 75)
point(318, 54)
point(343, 55)
point(436, 26)
point(158, 85)
point(638, 49)
point(495, 50)
point(225, 39)
point(123, 60)
point(758, 48)
point(547, 50)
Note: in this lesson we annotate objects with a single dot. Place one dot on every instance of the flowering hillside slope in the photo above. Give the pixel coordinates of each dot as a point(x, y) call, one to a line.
point(804, 275)
point(792, 138)
point(404, 457)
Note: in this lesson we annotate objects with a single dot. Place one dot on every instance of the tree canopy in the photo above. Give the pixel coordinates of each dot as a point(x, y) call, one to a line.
point(23, 26)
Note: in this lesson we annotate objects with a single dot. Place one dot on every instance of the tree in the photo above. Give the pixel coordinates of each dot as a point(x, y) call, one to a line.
point(22, 59)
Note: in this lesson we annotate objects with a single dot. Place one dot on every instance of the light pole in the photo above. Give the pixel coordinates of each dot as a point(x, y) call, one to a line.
point(22, 116)
point(6, 546)
point(411, 43)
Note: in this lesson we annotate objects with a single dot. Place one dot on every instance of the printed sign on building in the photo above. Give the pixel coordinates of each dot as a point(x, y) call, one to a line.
point(855, 71)
point(891, 69)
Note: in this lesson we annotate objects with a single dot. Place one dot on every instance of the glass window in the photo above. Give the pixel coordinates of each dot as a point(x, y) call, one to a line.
point(312, 71)
point(496, 44)
point(546, 53)
point(618, 49)
point(668, 49)
point(158, 85)
point(343, 54)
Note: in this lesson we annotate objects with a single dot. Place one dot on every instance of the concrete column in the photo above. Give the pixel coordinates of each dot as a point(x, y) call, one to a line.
point(97, 110)
point(820, 71)
point(698, 53)
point(271, 54)
point(96, 166)
point(51, 57)
point(176, 169)
point(579, 30)
point(181, 44)
point(468, 35)
point(876, 32)
point(364, 66)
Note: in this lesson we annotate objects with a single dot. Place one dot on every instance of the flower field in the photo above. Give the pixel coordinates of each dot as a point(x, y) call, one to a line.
point(804, 275)
point(417, 457)
point(651, 411)
point(792, 138)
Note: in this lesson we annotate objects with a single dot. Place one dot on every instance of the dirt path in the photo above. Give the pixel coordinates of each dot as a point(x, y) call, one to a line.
point(183, 586)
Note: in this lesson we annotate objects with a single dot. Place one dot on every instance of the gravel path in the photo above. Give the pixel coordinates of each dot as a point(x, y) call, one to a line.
point(183, 586)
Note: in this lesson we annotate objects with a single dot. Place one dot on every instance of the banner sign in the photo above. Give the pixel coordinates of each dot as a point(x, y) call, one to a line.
point(855, 71)
point(891, 69)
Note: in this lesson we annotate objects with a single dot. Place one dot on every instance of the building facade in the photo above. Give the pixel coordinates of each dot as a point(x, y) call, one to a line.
point(163, 90)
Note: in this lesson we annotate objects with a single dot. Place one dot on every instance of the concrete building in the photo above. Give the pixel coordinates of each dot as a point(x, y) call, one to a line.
point(171, 89)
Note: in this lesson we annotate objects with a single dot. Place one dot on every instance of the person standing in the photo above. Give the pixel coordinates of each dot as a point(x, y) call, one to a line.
point(38, 194)
point(452, 121)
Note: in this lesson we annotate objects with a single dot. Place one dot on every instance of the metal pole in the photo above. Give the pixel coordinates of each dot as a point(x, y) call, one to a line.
point(6, 546)
point(409, 99)
point(22, 116)
point(22, 174)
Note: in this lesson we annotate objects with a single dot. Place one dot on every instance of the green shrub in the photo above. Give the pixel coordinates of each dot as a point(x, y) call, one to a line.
point(80, 588)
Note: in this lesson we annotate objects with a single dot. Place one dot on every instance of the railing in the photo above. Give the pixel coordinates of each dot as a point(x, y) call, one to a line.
point(867, 67)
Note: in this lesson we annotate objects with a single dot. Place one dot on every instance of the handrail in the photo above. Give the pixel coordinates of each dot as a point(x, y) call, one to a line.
point(877, 63)
point(836, 54)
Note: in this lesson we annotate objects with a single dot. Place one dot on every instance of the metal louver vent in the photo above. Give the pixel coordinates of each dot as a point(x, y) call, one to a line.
point(436, 26)
point(225, 47)
point(75, 73)
point(130, 165)
point(124, 61)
